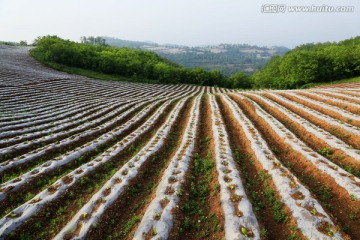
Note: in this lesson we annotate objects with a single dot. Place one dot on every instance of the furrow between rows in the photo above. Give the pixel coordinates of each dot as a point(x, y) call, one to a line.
point(80, 225)
point(240, 220)
point(345, 132)
point(158, 217)
point(321, 141)
point(307, 212)
point(334, 188)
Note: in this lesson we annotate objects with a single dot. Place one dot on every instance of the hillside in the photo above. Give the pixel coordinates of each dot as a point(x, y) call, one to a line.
point(311, 63)
point(89, 159)
point(228, 58)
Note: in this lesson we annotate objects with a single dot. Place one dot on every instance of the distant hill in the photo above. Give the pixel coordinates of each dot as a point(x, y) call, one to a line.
point(228, 58)
point(115, 42)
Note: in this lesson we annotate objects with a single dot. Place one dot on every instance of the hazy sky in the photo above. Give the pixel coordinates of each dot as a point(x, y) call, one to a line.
point(196, 22)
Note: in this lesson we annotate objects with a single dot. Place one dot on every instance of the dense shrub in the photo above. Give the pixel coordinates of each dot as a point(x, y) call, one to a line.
point(311, 63)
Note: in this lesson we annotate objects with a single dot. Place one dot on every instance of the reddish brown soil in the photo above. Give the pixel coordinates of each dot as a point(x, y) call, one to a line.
point(351, 93)
point(140, 192)
point(341, 97)
point(251, 167)
point(322, 110)
point(352, 109)
point(340, 205)
point(348, 137)
point(336, 156)
point(49, 211)
point(213, 207)
point(18, 196)
point(340, 85)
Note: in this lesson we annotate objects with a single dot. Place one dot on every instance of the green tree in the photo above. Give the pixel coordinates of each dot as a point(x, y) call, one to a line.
point(23, 43)
point(240, 80)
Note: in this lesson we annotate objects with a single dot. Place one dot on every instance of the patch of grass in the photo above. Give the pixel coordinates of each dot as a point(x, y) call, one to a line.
point(352, 216)
point(258, 205)
point(337, 133)
point(275, 150)
point(263, 176)
point(349, 80)
point(353, 197)
point(130, 224)
point(200, 222)
point(325, 194)
point(294, 237)
point(29, 196)
point(196, 206)
point(279, 214)
point(278, 211)
point(325, 151)
point(264, 232)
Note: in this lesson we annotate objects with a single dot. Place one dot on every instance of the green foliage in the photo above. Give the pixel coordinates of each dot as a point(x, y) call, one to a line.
point(326, 193)
point(199, 219)
point(138, 65)
point(325, 151)
point(279, 213)
point(353, 197)
point(240, 80)
point(311, 63)
point(23, 43)
point(130, 224)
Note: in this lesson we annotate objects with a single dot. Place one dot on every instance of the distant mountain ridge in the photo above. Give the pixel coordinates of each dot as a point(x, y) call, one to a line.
point(228, 58)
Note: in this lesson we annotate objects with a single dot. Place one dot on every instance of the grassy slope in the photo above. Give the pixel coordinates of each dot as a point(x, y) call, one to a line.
point(83, 72)
point(349, 80)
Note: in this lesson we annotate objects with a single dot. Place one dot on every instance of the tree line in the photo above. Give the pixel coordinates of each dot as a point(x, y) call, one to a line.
point(133, 63)
point(308, 63)
point(93, 40)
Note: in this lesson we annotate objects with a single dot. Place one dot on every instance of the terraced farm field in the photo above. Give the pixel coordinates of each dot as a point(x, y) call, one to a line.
point(83, 158)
